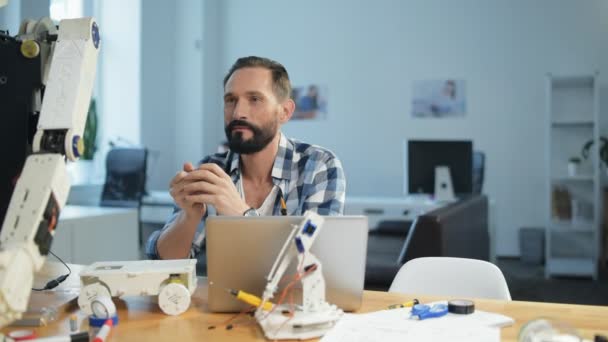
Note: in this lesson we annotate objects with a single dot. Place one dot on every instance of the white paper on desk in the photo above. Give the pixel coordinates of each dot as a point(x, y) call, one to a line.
point(395, 325)
point(483, 318)
point(352, 328)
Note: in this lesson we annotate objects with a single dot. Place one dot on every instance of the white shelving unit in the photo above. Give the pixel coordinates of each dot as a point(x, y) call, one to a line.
point(573, 230)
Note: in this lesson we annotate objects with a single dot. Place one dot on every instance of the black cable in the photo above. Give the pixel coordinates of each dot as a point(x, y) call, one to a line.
point(55, 282)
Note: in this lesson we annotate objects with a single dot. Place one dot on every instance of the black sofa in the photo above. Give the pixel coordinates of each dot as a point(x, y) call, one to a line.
point(456, 230)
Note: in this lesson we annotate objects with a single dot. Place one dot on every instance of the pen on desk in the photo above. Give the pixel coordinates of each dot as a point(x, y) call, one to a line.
point(250, 299)
point(407, 304)
point(283, 207)
point(104, 331)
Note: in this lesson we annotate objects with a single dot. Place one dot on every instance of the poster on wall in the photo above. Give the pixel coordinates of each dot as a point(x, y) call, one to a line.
point(311, 102)
point(438, 98)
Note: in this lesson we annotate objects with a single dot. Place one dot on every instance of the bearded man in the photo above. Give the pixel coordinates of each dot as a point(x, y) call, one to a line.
point(262, 172)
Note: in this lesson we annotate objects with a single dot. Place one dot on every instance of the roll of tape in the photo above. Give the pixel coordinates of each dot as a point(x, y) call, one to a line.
point(461, 306)
point(22, 335)
point(103, 307)
point(98, 322)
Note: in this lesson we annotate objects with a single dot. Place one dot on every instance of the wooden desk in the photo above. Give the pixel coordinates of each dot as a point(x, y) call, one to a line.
point(142, 320)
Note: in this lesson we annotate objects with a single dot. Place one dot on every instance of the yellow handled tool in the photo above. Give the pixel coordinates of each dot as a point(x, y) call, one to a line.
point(250, 299)
point(407, 304)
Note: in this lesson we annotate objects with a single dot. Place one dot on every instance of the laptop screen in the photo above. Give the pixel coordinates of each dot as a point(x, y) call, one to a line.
point(242, 250)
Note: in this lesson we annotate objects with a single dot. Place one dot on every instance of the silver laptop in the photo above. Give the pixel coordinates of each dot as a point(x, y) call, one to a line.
point(242, 250)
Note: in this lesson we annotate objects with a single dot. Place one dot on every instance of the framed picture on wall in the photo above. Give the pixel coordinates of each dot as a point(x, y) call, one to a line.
point(311, 102)
point(438, 98)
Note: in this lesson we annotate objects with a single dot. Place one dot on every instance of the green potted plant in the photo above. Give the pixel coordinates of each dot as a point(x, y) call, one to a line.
point(603, 150)
point(82, 171)
point(90, 132)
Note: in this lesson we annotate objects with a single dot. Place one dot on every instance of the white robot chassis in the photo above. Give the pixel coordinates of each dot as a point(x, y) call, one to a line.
point(174, 281)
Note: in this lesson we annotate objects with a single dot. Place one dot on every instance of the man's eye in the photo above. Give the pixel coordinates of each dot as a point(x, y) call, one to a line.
point(255, 99)
point(229, 100)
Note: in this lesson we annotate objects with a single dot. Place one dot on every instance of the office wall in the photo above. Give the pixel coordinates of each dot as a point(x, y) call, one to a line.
point(119, 71)
point(157, 89)
point(16, 11)
point(34, 9)
point(174, 54)
point(369, 52)
point(189, 83)
point(10, 17)
point(213, 75)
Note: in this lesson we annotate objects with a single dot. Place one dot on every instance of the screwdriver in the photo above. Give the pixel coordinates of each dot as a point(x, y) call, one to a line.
point(250, 299)
point(407, 304)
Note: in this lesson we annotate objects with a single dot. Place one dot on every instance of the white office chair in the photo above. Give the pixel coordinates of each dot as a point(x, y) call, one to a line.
point(452, 277)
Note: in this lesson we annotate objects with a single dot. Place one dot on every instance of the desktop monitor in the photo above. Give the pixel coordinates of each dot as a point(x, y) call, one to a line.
point(424, 156)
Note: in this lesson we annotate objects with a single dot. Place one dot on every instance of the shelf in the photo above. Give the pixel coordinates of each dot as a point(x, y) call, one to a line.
point(572, 227)
point(571, 267)
point(572, 119)
point(572, 122)
point(578, 178)
point(563, 81)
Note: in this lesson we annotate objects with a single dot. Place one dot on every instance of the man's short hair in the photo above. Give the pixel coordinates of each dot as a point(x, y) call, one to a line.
point(280, 78)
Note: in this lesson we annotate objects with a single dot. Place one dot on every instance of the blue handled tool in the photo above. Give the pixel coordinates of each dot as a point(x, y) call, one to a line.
point(423, 311)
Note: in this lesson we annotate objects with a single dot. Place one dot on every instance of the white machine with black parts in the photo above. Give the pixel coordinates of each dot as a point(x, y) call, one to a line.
point(59, 63)
point(173, 281)
point(315, 316)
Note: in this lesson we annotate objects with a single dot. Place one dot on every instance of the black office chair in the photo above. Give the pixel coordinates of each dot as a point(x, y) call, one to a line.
point(125, 183)
point(479, 161)
point(125, 177)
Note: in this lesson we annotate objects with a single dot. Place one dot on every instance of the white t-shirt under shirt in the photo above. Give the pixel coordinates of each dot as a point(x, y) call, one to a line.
point(268, 205)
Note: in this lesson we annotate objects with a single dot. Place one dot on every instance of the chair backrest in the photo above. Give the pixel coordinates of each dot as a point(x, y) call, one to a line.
point(479, 163)
point(454, 277)
point(125, 177)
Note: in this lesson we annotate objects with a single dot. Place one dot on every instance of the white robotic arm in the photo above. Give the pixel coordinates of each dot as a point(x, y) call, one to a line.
point(41, 190)
point(69, 87)
point(315, 316)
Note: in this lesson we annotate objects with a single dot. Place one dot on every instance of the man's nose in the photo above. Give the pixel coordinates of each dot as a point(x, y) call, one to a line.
point(240, 110)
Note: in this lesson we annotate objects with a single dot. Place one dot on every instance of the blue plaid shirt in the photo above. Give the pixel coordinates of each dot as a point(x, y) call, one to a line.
point(309, 177)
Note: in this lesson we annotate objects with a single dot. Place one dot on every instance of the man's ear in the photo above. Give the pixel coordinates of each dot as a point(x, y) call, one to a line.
point(287, 109)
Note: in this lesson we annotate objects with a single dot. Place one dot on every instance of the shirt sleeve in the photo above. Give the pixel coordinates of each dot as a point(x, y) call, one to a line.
point(199, 237)
point(197, 243)
point(328, 188)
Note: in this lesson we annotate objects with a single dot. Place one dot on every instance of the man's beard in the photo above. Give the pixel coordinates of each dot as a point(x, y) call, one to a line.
point(262, 136)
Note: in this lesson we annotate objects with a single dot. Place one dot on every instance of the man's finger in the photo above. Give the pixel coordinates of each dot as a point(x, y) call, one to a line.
point(200, 198)
point(200, 187)
point(178, 177)
point(203, 175)
point(215, 169)
point(188, 167)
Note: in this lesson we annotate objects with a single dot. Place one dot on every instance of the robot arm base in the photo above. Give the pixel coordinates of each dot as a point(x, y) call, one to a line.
point(303, 325)
point(316, 316)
